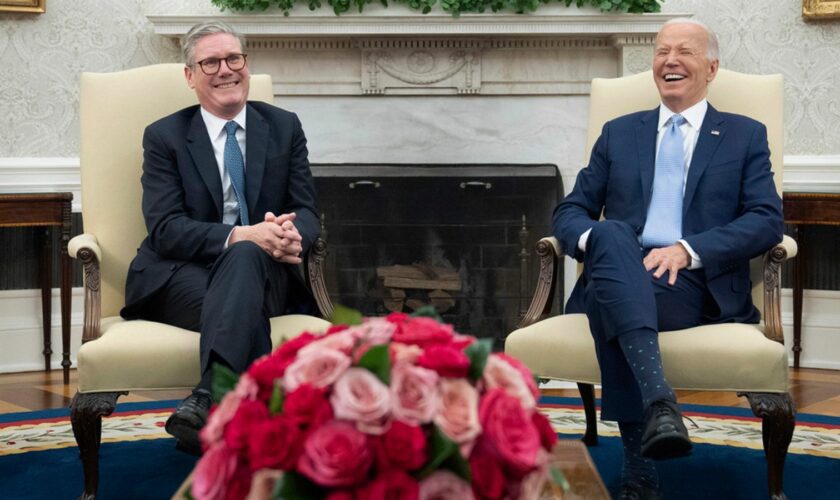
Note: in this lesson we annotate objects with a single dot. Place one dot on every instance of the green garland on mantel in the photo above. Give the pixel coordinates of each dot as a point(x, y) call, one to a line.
point(454, 7)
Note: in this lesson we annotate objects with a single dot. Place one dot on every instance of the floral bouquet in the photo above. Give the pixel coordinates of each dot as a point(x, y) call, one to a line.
point(400, 407)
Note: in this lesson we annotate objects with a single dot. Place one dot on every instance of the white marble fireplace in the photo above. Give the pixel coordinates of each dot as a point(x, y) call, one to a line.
point(394, 86)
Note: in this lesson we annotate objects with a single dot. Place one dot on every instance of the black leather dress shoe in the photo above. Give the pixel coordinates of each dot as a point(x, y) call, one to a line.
point(188, 419)
point(665, 435)
point(637, 491)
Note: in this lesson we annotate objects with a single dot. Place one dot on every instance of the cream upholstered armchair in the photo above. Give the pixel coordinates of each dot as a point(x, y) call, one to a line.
point(748, 359)
point(118, 356)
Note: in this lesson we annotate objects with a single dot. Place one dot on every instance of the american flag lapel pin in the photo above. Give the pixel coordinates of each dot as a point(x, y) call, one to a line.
point(715, 132)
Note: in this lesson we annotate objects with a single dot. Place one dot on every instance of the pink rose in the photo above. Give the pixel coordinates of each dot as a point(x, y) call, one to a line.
point(458, 416)
point(508, 432)
point(445, 485)
point(414, 393)
point(404, 353)
point(319, 368)
point(267, 369)
point(221, 414)
point(501, 374)
point(391, 484)
point(213, 471)
point(362, 398)
point(527, 376)
point(403, 446)
point(344, 341)
point(336, 455)
point(274, 443)
point(376, 331)
point(423, 332)
point(445, 360)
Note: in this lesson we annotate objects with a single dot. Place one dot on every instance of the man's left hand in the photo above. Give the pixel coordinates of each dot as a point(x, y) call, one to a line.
point(291, 241)
point(667, 259)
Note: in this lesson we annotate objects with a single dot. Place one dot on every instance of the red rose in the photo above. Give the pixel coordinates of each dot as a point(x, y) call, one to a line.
point(248, 415)
point(423, 332)
point(488, 478)
point(335, 329)
point(445, 360)
point(274, 444)
point(308, 406)
point(548, 438)
point(340, 495)
point(392, 484)
point(267, 369)
point(509, 432)
point(240, 483)
point(336, 454)
point(397, 318)
point(403, 447)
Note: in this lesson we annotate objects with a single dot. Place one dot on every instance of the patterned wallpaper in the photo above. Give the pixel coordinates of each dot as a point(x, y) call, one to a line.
point(43, 55)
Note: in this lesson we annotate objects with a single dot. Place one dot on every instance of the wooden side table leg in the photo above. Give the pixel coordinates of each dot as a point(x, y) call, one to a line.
point(798, 273)
point(66, 281)
point(45, 272)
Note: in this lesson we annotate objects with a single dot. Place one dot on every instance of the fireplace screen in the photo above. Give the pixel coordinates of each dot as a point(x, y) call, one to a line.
point(458, 237)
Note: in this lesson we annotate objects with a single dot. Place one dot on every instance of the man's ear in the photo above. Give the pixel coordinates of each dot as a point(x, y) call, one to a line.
point(713, 69)
point(188, 75)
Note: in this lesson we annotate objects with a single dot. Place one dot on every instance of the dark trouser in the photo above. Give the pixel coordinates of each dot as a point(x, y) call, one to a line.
point(622, 297)
point(230, 304)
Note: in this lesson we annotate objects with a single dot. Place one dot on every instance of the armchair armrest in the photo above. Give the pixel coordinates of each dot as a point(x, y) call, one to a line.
point(315, 276)
point(549, 252)
point(773, 260)
point(85, 247)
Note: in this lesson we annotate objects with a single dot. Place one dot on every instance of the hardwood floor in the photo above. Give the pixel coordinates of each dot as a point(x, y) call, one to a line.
point(813, 391)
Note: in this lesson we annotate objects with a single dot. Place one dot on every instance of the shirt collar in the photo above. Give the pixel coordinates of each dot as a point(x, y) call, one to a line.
point(693, 115)
point(216, 125)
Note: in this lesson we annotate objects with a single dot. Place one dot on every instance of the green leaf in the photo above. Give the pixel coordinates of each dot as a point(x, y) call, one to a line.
point(344, 315)
point(294, 486)
point(458, 465)
point(427, 311)
point(559, 478)
point(275, 404)
point(224, 380)
point(440, 449)
point(478, 352)
point(188, 493)
point(378, 361)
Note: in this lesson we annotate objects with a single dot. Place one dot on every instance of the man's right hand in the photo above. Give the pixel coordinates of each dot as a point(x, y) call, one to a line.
point(276, 235)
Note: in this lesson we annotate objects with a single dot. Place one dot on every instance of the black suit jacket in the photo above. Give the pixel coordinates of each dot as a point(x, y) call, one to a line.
point(182, 191)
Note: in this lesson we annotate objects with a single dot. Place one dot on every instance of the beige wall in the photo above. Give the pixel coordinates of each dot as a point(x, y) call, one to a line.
point(42, 56)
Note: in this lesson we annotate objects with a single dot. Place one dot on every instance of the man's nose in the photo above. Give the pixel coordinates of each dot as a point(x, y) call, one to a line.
point(224, 69)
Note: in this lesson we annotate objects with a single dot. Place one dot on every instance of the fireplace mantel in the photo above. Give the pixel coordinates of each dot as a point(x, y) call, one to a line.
point(396, 51)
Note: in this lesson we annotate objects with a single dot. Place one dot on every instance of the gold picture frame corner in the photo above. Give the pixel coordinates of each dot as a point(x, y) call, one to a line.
point(818, 10)
point(24, 6)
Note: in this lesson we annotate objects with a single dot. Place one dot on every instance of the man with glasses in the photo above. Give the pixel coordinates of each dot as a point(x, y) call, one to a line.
point(229, 205)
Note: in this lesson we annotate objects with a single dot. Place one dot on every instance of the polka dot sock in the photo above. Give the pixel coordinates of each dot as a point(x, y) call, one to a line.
point(641, 350)
point(636, 468)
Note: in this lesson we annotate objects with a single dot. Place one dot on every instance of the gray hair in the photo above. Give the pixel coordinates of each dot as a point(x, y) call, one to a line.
point(201, 30)
point(712, 46)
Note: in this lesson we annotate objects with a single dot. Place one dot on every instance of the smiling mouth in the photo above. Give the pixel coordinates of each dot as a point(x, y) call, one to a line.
point(226, 85)
point(673, 77)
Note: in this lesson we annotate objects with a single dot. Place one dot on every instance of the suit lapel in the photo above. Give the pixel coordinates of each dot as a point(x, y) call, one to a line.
point(707, 144)
point(256, 140)
point(201, 151)
point(646, 147)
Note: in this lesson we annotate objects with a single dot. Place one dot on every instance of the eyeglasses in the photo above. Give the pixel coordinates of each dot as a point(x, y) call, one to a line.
point(211, 65)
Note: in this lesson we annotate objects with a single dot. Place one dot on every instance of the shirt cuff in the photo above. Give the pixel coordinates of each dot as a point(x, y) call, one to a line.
point(583, 239)
point(227, 240)
point(696, 263)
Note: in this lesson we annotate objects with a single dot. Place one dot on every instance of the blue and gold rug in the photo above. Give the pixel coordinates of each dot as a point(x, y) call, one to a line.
point(39, 458)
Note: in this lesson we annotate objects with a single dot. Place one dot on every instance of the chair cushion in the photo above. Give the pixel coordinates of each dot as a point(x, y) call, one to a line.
point(138, 355)
point(726, 357)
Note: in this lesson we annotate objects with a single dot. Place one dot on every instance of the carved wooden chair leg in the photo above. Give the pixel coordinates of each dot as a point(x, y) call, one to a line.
point(587, 395)
point(778, 417)
point(86, 412)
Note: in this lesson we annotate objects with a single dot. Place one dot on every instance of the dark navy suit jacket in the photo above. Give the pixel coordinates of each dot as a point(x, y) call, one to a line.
point(731, 210)
point(182, 191)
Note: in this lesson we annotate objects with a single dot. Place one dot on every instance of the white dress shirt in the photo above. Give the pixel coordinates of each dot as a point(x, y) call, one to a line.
point(690, 130)
point(218, 137)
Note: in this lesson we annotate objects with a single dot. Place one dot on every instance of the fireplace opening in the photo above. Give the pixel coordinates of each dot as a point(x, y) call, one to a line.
point(457, 236)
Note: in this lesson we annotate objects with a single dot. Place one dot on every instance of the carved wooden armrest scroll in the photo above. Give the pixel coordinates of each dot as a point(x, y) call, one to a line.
point(86, 248)
point(315, 273)
point(773, 260)
point(549, 252)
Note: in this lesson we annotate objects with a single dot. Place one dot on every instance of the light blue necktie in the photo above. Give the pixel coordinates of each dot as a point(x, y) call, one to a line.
point(236, 170)
point(664, 218)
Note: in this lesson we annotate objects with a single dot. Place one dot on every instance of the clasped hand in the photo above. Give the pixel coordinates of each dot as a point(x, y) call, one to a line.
point(667, 259)
point(277, 235)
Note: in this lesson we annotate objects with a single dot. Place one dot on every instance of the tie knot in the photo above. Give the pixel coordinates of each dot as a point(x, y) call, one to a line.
point(230, 127)
point(676, 120)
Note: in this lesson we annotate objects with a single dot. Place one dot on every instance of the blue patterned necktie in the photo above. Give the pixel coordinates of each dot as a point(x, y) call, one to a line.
point(664, 218)
point(236, 170)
